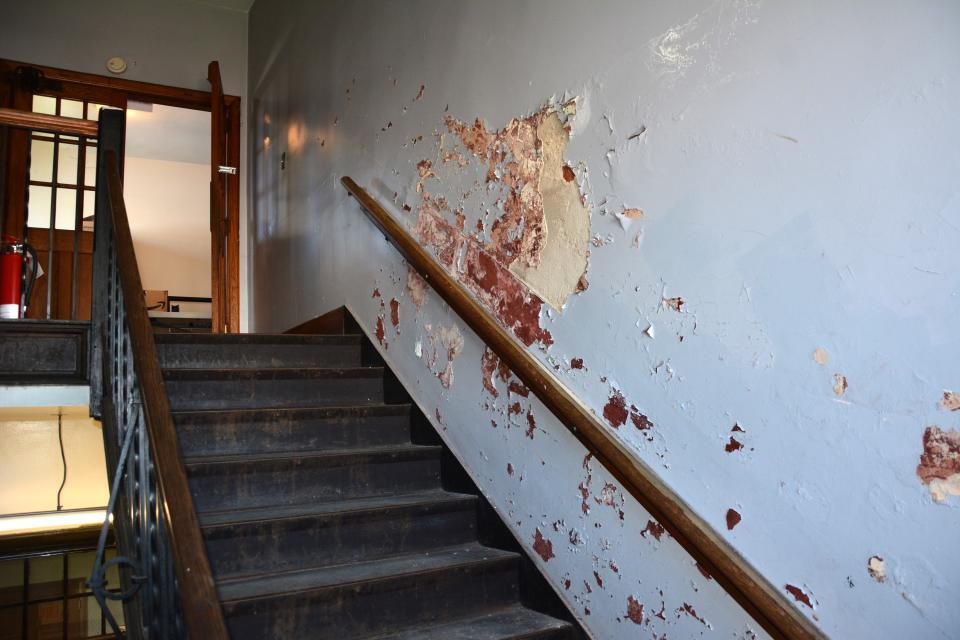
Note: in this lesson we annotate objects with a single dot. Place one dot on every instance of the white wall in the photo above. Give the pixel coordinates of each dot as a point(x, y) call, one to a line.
point(169, 42)
point(168, 205)
point(797, 171)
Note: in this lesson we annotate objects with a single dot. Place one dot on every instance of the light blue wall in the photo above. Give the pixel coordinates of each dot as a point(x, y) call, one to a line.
point(799, 179)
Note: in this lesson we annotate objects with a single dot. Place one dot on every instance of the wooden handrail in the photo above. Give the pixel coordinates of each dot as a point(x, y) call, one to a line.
point(762, 601)
point(199, 602)
point(45, 122)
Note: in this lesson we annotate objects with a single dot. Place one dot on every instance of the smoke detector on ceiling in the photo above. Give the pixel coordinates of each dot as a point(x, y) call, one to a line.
point(116, 65)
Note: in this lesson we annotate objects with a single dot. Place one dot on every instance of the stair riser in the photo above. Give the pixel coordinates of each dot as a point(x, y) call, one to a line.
point(286, 433)
point(193, 395)
point(359, 609)
point(230, 486)
point(284, 545)
point(254, 356)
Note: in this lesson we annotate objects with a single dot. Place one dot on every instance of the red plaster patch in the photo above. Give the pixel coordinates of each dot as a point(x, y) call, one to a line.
point(437, 233)
point(518, 388)
point(515, 306)
point(509, 469)
point(614, 567)
point(615, 410)
point(690, 611)
point(376, 293)
point(576, 363)
point(737, 428)
point(566, 584)
point(420, 93)
point(639, 420)
point(653, 528)
point(395, 312)
point(634, 610)
point(531, 424)
point(733, 445)
point(799, 595)
point(381, 333)
point(488, 364)
point(542, 546)
point(596, 576)
point(568, 174)
point(733, 519)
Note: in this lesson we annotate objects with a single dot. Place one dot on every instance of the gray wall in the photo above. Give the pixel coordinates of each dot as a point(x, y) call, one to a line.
point(169, 42)
point(798, 177)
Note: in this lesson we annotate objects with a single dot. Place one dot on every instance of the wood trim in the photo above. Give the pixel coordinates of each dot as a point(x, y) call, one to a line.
point(218, 148)
point(199, 601)
point(761, 600)
point(331, 323)
point(233, 220)
point(132, 89)
point(44, 122)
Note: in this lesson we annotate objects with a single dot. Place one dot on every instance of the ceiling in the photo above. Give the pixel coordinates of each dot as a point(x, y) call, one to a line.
point(168, 133)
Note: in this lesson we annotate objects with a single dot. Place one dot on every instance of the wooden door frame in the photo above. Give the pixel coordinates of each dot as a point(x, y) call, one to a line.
point(114, 91)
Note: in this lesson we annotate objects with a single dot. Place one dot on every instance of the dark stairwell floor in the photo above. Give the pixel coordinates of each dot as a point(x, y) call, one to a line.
point(330, 508)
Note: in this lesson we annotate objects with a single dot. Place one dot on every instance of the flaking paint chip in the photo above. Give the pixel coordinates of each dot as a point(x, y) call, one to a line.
point(950, 401)
point(839, 384)
point(820, 356)
point(876, 568)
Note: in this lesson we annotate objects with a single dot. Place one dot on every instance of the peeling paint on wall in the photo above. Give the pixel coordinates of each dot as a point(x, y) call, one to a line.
point(939, 466)
point(877, 568)
point(542, 546)
point(840, 384)
point(950, 401)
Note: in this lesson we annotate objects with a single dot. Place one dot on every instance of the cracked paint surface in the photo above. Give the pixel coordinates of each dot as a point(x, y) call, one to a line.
point(777, 246)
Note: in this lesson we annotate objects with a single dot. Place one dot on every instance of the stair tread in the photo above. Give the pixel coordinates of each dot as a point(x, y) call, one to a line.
point(270, 373)
point(511, 623)
point(405, 450)
point(257, 338)
point(232, 517)
point(290, 582)
point(362, 410)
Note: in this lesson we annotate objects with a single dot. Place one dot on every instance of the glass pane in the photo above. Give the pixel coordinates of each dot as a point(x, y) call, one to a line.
point(11, 582)
point(46, 578)
point(45, 620)
point(83, 618)
point(44, 104)
point(80, 566)
point(116, 608)
point(66, 208)
point(89, 207)
point(71, 108)
point(38, 207)
point(10, 621)
point(41, 160)
point(90, 172)
point(67, 163)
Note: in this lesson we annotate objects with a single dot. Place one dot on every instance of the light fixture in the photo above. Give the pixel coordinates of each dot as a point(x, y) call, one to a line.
point(116, 65)
point(50, 521)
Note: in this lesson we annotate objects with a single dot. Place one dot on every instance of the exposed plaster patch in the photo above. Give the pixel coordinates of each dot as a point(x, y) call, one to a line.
point(655, 529)
point(950, 401)
point(939, 466)
point(416, 287)
point(675, 303)
point(840, 384)
point(688, 609)
point(395, 313)
point(438, 234)
point(799, 595)
point(820, 356)
point(733, 519)
point(877, 568)
point(634, 610)
point(445, 345)
point(543, 232)
point(542, 546)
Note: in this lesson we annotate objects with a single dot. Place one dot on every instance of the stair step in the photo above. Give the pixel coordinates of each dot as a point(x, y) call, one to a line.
point(513, 623)
point(296, 429)
point(264, 479)
point(363, 599)
point(279, 538)
point(245, 350)
point(197, 389)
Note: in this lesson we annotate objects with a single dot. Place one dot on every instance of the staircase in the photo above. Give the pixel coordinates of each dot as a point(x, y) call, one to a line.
point(329, 507)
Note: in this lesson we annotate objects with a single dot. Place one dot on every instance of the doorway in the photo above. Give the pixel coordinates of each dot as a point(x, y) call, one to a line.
point(52, 206)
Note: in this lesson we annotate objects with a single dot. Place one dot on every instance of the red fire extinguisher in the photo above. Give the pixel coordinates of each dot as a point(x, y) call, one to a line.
point(18, 272)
